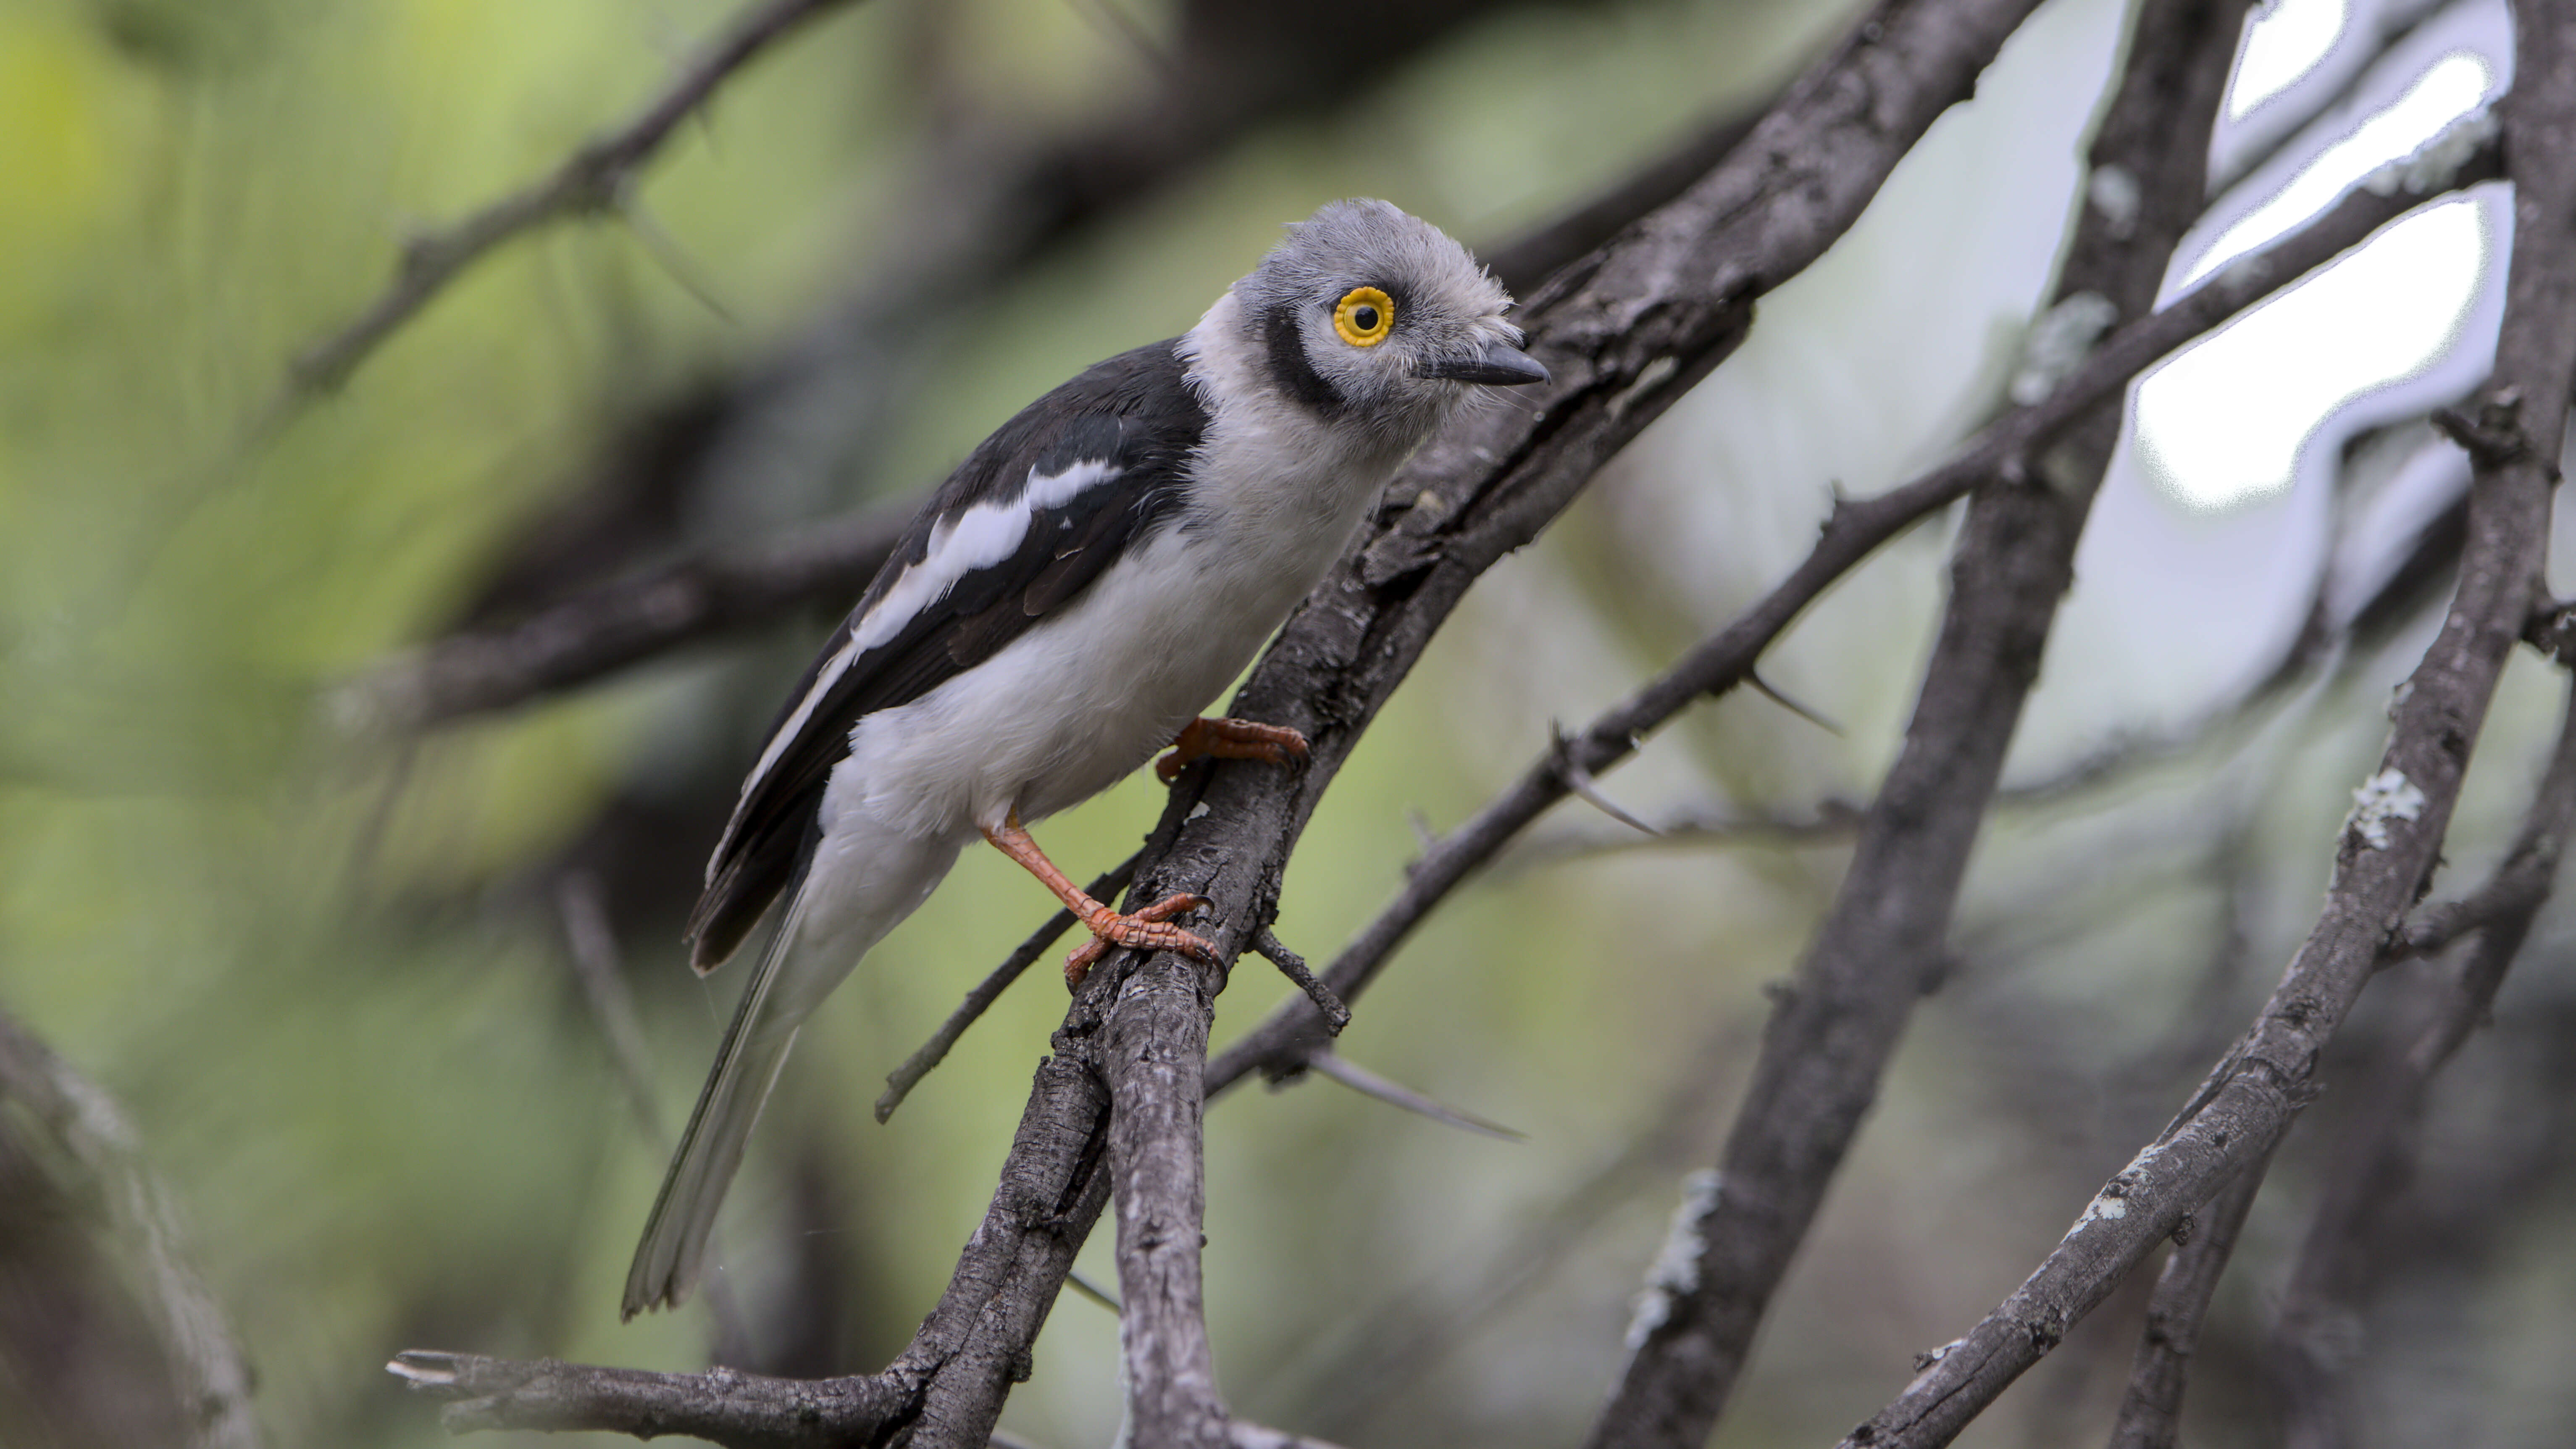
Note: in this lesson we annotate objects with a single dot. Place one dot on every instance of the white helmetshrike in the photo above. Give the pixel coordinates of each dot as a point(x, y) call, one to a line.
point(1087, 581)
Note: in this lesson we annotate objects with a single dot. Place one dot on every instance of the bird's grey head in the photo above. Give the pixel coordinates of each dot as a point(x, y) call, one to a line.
point(1371, 316)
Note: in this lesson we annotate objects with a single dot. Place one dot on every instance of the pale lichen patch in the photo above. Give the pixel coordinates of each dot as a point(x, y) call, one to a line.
point(1675, 1270)
point(2115, 194)
point(2060, 339)
point(2384, 797)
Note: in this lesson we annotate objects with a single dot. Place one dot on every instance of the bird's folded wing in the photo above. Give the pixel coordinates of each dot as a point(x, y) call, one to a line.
point(1035, 514)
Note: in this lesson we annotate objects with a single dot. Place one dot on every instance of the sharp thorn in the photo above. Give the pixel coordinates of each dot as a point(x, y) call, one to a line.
point(1822, 722)
point(1369, 1084)
point(1092, 1291)
point(666, 251)
point(1580, 783)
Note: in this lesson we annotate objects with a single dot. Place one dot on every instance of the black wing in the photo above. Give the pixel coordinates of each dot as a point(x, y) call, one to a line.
point(1087, 471)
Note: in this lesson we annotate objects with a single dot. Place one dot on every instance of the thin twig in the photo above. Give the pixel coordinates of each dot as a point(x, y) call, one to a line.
point(1581, 785)
point(1293, 966)
point(901, 1081)
point(2392, 841)
point(598, 965)
point(593, 948)
point(591, 180)
point(2151, 1407)
point(1081, 1283)
point(1830, 820)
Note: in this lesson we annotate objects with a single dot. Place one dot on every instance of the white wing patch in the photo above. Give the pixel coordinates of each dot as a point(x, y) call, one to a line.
point(1054, 490)
point(978, 538)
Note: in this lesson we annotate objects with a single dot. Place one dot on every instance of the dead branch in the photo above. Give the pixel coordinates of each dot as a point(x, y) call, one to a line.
point(742, 1411)
point(1154, 1047)
point(2390, 844)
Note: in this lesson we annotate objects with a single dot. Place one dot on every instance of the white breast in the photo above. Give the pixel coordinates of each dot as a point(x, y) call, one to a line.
point(1091, 693)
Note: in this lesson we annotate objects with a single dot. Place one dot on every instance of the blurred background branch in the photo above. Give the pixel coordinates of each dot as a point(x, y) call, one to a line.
point(594, 179)
point(190, 1385)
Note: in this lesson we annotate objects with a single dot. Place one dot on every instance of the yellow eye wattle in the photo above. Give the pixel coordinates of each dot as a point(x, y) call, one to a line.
point(1364, 316)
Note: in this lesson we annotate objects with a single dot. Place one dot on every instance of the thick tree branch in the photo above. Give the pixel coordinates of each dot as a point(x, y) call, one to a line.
point(592, 179)
point(2007, 448)
point(1622, 332)
point(2391, 843)
point(1154, 1048)
point(2374, 1159)
point(1885, 940)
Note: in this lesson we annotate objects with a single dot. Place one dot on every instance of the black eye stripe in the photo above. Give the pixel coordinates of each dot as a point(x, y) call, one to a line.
point(1291, 368)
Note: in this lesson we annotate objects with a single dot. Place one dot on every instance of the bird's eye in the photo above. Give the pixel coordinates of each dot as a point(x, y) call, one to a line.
point(1363, 316)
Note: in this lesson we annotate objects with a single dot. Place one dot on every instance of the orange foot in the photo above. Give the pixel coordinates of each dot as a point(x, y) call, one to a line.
point(1229, 739)
point(1144, 928)
point(1147, 928)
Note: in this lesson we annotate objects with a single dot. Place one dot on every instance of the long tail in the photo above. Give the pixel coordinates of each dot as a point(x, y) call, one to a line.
point(674, 1249)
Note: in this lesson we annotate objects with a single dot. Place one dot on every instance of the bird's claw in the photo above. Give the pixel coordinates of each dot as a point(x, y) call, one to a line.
point(1230, 739)
point(1149, 928)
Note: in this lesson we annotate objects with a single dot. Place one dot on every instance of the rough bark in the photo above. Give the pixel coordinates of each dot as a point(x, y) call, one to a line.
point(1884, 941)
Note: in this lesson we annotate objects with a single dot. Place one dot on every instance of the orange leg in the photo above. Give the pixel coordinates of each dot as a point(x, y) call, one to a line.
point(1229, 739)
point(1147, 928)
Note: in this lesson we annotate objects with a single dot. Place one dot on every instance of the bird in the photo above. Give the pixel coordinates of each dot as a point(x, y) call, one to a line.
point(1087, 580)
